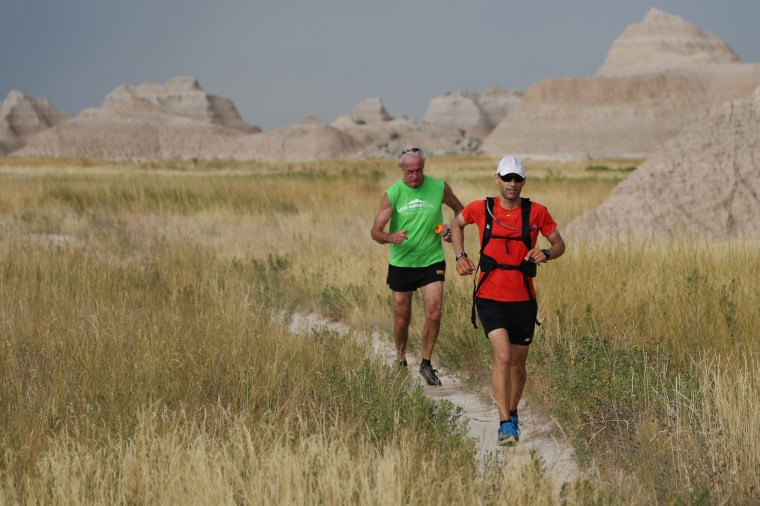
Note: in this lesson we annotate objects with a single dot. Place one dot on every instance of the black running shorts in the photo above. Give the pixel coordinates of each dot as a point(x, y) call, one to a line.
point(408, 279)
point(518, 318)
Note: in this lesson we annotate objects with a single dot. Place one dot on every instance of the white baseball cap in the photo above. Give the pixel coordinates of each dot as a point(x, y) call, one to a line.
point(510, 165)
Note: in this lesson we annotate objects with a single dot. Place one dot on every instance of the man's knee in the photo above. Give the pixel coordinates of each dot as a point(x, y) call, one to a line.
point(402, 305)
point(432, 296)
point(433, 315)
point(518, 368)
point(501, 358)
point(402, 315)
point(402, 320)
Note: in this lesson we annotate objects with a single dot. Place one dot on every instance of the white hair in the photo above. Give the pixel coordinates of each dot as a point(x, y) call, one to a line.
point(410, 151)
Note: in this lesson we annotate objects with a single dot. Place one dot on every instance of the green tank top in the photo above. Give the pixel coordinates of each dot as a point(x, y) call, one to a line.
point(418, 211)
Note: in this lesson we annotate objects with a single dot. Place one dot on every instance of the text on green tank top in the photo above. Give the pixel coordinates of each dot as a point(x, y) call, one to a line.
point(418, 211)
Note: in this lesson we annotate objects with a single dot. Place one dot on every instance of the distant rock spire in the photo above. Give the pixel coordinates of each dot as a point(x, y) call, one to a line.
point(661, 41)
point(370, 111)
point(471, 115)
point(22, 117)
point(185, 97)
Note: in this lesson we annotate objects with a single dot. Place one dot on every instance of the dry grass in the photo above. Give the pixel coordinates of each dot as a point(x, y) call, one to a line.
point(653, 350)
point(173, 460)
point(140, 361)
point(143, 359)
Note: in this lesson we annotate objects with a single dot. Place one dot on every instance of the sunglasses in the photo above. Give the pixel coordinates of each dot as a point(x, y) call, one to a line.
point(411, 149)
point(511, 177)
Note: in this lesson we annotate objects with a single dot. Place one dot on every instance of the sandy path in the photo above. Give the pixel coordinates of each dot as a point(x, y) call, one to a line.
point(539, 431)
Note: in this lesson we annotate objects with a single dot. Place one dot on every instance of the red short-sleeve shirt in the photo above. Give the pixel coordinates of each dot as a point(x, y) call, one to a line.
point(507, 285)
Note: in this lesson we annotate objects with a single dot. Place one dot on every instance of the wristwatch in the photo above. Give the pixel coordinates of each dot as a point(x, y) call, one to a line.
point(547, 253)
point(460, 255)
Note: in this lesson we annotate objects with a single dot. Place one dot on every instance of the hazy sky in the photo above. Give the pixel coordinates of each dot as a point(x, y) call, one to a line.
point(282, 60)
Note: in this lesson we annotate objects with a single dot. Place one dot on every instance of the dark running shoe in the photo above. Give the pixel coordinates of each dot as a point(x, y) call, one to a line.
point(427, 373)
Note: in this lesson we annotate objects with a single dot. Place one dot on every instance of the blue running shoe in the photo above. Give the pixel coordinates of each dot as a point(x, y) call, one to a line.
point(516, 423)
point(507, 435)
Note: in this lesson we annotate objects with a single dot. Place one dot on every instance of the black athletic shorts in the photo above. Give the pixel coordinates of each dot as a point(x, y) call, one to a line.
point(408, 279)
point(519, 318)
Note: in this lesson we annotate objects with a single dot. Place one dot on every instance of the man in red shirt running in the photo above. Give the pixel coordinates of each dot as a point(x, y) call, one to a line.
point(505, 297)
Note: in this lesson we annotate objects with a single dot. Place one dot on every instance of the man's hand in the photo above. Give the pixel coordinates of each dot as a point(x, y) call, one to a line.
point(536, 255)
point(397, 237)
point(465, 267)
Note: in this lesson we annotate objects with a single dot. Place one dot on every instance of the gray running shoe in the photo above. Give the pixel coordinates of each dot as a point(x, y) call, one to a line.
point(427, 373)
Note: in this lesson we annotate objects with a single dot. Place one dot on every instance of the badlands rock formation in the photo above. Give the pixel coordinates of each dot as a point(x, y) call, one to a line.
point(471, 115)
point(154, 121)
point(660, 42)
point(660, 75)
point(185, 97)
point(370, 111)
point(705, 181)
point(22, 117)
point(157, 121)
point(307, 141)
point(124, 129)
point(380, 134)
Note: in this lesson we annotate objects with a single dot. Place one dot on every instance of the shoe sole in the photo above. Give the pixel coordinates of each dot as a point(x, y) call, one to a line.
point(509, 441)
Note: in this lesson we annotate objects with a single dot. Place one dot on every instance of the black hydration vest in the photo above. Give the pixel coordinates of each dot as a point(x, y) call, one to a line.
point(487, 264)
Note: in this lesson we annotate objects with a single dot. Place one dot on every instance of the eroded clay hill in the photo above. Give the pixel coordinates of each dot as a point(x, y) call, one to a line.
point(154, 121)
point(381, 134)
point(471, 115)
point(659, 76)
point(22, 117)
point(127, 129)
point(176, 119)
point(703, 182)
point(184, 96)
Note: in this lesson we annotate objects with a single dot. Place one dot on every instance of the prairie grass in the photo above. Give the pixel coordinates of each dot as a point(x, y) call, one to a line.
point(145, 359)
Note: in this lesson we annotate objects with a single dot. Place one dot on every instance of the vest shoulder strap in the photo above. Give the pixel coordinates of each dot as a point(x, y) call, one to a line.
point(525, 211)
point(488, 230)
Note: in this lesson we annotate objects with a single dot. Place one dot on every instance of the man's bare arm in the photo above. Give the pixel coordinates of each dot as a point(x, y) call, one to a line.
point(556, 249)
point(451, 200)
point(464, 265)
point(378, 232)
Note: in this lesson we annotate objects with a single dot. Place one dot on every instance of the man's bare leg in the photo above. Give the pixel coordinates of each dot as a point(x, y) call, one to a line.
point(402, 307)
point(517, 373)
point(432, 299)
point(500, 375)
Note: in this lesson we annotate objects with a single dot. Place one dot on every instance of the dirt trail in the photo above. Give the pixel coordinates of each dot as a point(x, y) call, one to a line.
point(539, 431)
